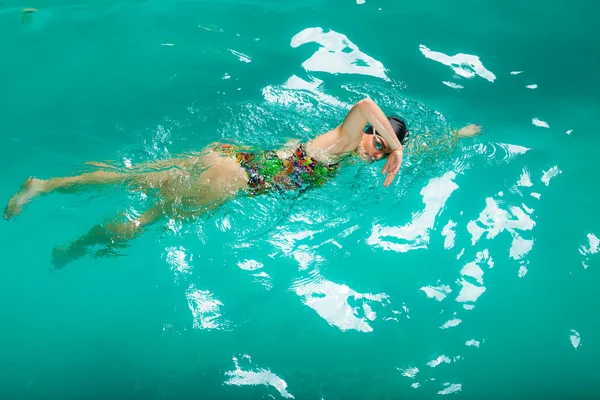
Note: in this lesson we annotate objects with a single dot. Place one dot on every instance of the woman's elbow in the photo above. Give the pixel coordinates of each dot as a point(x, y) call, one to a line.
point(366, 102)
point(366, 106)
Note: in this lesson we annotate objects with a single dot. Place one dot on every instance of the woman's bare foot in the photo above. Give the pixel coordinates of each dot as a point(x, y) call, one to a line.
point(30, 189)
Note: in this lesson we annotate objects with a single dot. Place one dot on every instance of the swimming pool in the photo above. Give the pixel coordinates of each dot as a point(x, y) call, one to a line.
point(472, 276)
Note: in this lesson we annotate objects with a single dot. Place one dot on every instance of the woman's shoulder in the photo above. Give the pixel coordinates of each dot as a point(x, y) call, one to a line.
point(288, 149)
point(323, 156)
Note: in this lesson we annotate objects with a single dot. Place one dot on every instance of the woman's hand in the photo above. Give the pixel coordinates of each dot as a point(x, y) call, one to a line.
point(392, 166)
point(469, 131)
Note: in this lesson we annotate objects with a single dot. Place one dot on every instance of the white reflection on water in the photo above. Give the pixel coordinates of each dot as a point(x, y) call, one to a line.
point(575, 338)
point(473, 270)
point(551, 173)
point(291, 93)
point(472, 280)
point(241, 56)
point(441, 359)
point(520, 247)
point(594, 242)
point(449, 234)
point(465, 65)
point(176, 258)
point(260, 276)
point(493, 220)
point(450, 388)
point(250, 265)
point(415, 234)
point(469, 292)
point(306, 257)
point(593, 248)
point(337, 54)
point(205, 308)
point(525, 179)
point(522, 271)
point(453, 85)
point(330, 301)
point(409, 372)
point(437, 292)
point(259, 376)
point(451, 323)
point(540, 123)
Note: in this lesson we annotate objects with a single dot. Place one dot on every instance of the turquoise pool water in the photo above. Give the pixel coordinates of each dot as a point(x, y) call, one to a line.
point(473, 276)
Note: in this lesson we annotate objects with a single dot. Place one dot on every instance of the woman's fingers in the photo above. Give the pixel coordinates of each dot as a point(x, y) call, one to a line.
point(391, 175)
point(387, 167)
point(391, 167)
point(390, 178)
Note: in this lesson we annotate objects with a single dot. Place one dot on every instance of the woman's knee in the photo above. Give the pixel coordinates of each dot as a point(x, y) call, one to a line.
point(125, 230)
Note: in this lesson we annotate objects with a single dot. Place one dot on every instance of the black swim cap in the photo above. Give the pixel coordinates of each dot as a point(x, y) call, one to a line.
point(399, 127)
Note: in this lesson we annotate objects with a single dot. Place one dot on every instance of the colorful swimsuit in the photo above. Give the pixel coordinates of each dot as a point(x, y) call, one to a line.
point(266, 171)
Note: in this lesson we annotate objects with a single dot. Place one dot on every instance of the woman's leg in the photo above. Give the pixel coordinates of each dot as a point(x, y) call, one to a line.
point(146, 175)
point(34, 187)
point(110, 235)
point(215, 186)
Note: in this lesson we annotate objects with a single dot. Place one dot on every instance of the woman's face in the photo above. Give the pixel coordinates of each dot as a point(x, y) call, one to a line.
point(373, 148)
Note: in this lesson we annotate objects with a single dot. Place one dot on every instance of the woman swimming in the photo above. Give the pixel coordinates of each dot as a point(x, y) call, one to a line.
point(188, 186)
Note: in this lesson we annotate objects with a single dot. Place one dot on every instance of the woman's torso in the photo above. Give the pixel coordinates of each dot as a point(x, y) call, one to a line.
point(284, 169)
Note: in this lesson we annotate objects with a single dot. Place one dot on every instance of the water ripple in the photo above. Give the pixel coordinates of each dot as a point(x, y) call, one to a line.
point(501, 153)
